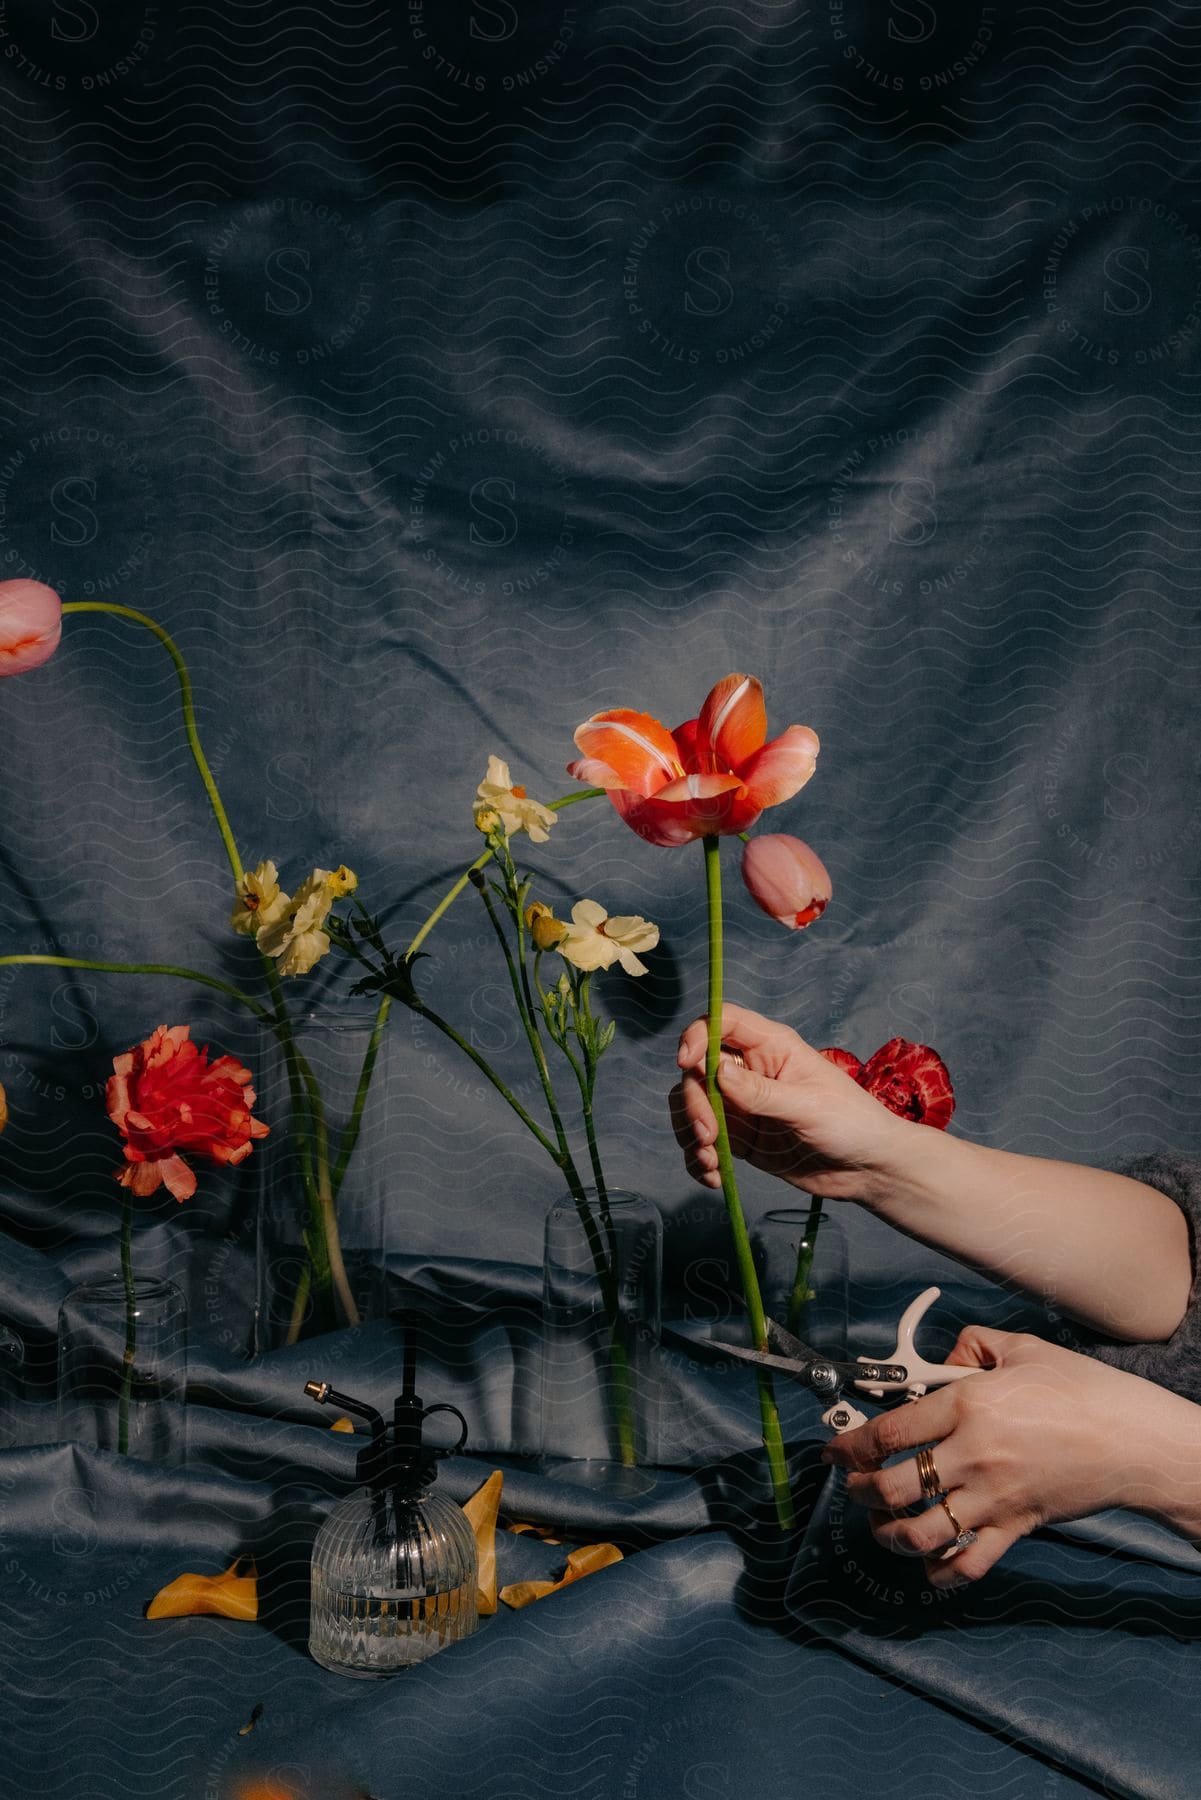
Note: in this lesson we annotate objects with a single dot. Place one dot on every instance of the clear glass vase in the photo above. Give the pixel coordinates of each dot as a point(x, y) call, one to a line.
point(393, 1582)
point(800, 1255)
point(327, 1173)
point(602, 1271)
point(123, 1367)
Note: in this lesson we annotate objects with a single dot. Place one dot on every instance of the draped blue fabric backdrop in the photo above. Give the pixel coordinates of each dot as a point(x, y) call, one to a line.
point(439, 374)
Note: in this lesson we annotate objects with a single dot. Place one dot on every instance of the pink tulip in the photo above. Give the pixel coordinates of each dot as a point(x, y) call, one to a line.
point(786, 878)
point(711, 776)
point(31, 623)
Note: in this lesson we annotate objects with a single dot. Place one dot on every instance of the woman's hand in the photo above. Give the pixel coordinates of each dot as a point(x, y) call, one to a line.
point(789, 1111)
point(1043, 1434)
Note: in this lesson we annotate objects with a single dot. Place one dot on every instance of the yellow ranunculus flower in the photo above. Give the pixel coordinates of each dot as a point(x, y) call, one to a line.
point(260, 901)
point(595, 941)
point(546, 931)
point(513, 807)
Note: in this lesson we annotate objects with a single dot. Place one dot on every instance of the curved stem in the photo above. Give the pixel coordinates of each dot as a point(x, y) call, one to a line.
point(189, 711)
point(425, 1012)
point(131, 1325)
point(132, 968)
point(769, 1412)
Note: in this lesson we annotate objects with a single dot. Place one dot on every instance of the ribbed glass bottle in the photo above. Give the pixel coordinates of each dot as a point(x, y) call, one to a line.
point(393, 1581)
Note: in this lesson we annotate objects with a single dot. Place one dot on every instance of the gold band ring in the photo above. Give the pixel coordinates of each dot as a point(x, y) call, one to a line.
point(735, 1056)
point(932, 1487)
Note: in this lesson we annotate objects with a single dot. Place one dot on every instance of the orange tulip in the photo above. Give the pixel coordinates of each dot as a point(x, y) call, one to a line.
point(786, 878)
point(31, 623)
point(711, 776)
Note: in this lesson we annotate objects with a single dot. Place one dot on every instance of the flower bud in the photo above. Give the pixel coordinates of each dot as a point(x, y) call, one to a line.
point(786, 878)
point(544, 928)
point(31, 623)
point(343, 881)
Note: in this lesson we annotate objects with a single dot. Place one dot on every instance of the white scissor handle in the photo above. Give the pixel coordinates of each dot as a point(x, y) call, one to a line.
point(922, 1374)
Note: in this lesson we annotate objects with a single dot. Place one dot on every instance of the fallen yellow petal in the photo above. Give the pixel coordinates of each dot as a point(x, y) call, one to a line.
point(540, 1531)
point(231, 1595)
point(584, 1561)
point(520, 1593)
point(342, 1424)
point(481, 1512)
point(588, 1559)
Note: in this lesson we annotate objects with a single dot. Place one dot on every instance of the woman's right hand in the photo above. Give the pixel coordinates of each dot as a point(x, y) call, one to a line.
point(789, 1112)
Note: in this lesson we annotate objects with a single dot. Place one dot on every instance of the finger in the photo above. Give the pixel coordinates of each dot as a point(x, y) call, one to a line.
point(930, 1533)
point(924, 1421)
point(740, 1027)
point(975, 1560)
point(900, 1485)
point(981, 1347)
point(692, 1117)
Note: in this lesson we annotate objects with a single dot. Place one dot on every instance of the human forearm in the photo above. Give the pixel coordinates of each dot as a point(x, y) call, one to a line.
point(1165, 1464)
point(1110, 1251)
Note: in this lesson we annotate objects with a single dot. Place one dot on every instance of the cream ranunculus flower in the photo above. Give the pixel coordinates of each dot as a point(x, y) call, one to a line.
point(297, 941)
point(261, 901)
point(595, 941)
point(497, 796)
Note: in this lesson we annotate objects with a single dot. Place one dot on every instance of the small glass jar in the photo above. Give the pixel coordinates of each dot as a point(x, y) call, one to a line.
point(394, 1581)
point(602, 1274)
point(801, 1257)
point(123, 1367)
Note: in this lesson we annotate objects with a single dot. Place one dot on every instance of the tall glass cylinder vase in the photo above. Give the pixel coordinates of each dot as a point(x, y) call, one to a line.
point(801, 1256)
point(328, 1173)
point(123, 1367)
point(602, 1270)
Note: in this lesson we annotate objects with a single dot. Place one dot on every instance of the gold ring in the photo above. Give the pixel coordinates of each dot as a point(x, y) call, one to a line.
point(932, 1487)
point(963, 1536)
point(735, 1056)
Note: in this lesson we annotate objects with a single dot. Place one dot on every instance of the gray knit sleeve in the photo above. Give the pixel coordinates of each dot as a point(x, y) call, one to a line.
point(1176, 1363)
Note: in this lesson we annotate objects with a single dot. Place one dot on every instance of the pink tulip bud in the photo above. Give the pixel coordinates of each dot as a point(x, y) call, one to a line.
point(786, 878)
point(31, 623)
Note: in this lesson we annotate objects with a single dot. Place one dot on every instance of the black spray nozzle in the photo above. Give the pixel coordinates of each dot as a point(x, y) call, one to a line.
point(401, 1461)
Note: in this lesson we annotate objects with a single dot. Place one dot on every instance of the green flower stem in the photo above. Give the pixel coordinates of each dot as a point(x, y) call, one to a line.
point(350, 1133)
point(131, 1324)
point(623, 1403)
point(802, 1293)
point(521, 995)
point(769, 1412)
point(426, 1012)
point(189, 712)
point(137, 968)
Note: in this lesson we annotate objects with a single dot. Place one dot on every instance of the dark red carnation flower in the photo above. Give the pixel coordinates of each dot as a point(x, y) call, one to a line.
point(911, 1080)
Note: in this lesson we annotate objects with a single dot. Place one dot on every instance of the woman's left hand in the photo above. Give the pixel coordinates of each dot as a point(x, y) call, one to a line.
point(1041, 1434)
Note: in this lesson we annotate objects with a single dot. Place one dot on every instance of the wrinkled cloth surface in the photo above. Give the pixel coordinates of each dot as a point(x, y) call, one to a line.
point(439, 375)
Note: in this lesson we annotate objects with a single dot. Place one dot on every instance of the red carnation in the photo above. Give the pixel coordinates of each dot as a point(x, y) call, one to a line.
point(165, 1097)
point(909, 1079)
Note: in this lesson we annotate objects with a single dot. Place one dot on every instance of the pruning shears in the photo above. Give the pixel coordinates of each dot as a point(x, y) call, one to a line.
point(904, 1371)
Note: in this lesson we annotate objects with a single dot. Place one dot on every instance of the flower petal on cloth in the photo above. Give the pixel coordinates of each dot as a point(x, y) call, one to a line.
point(482, 1512)
point(587, 1560)
point(230, 1595)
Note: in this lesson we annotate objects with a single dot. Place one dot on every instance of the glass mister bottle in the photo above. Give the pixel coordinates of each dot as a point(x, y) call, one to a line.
point(394, 1566)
